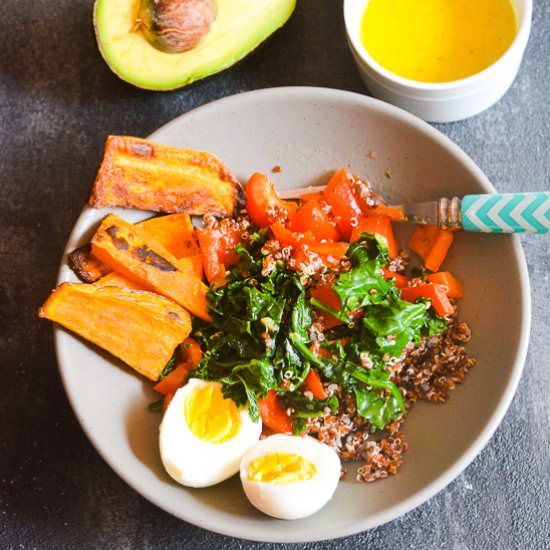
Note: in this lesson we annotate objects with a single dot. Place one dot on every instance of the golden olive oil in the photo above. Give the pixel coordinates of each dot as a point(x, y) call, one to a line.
point(437, 40)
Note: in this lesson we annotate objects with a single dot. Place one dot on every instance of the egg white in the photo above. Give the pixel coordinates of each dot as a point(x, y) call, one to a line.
point(194, 462)
point(301, 498)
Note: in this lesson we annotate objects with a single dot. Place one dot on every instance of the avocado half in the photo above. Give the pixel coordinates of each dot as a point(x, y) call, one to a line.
point(240, 26)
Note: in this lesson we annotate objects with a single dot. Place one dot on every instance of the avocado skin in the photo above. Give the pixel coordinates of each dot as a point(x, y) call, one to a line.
point(247, 23)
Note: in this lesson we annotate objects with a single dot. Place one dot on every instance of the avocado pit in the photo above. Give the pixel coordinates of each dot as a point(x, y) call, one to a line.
point(175, 26)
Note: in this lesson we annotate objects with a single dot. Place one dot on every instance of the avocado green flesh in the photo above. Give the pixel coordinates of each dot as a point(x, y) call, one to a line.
point(240, 26)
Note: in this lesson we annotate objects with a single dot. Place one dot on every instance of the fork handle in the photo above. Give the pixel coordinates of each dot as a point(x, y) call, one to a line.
point(506, 212)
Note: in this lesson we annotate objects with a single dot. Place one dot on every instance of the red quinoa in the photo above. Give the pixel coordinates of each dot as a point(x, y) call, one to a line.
point(428, 371)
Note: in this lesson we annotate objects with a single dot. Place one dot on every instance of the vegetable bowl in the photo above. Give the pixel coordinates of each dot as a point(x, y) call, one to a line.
point(300, 136)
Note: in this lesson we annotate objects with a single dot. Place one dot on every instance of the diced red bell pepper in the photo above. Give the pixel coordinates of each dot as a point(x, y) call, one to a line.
point(423, 239)
point(434, 292)
point(314, 385)
point(320, 351)
point(313, 216)
point(191, 352)
point(290, 238)
point(400, 280)
point(330, 254)
point(304, 243)
point(431, 244)
point(439, 250)
point(328, 251)
point(453, 287)
point(175, 380)
point(217, 245)
point(380, 225)
point(326, 295)
point(340, 195)
point(301, 257)
point(263, 204)
point(273, 415)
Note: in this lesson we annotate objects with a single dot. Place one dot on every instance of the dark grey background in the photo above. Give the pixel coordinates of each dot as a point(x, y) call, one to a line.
point(58, 101)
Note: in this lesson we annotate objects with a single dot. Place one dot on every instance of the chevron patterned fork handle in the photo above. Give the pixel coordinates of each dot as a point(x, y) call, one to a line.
point(487, 213)
point(506, 213)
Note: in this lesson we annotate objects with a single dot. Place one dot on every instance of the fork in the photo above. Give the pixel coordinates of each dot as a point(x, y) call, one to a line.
point(486, 213)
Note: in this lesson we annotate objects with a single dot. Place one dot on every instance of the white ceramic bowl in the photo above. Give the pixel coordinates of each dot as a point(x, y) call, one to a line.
point(445, 101)
point(310, 132)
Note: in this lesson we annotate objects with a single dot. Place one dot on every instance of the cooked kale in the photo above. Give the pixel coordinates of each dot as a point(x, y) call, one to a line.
point(259, 337)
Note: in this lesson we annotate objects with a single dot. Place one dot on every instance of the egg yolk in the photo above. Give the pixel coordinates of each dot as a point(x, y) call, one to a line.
point(210, 416)
point(437, 40)
point(281, 468)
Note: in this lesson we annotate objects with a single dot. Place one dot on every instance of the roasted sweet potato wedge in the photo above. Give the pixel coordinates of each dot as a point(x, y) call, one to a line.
point(116, 279)
point(194, 263)
point(140, 328)
point(136, 173)
point(86, 267)
point(131, 251)
point(174, 231)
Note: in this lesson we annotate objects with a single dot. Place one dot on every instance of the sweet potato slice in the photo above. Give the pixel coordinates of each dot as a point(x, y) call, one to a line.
point(86, 267)
point(116, 279)
point(140, 328)
point(194, 263)
point(130, 250)
point(136, 173)
point(175, 232)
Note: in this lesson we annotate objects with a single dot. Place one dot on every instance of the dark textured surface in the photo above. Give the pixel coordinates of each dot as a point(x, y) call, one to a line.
point(58, 100)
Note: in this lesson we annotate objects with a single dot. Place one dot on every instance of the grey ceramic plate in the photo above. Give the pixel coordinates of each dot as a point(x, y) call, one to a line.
point(309, 132)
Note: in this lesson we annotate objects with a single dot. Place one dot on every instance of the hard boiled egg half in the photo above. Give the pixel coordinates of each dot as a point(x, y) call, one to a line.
point(290, 477)
point(203, 436)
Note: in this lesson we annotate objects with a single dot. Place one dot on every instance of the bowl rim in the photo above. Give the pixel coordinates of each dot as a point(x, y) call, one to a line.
point(432, 488)
point(516, 47)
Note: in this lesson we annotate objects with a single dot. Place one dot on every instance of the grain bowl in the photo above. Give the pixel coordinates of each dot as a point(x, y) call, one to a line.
point(300, 136)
